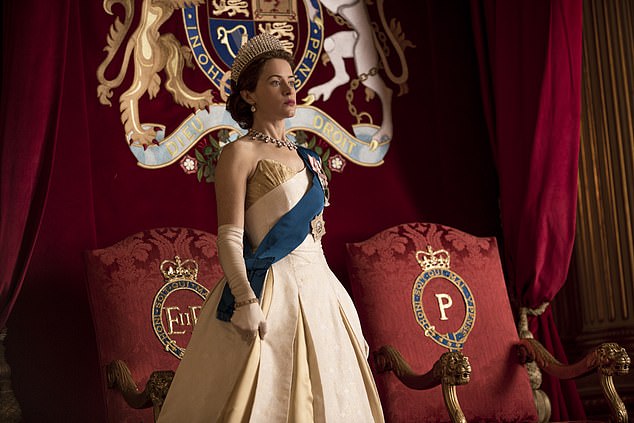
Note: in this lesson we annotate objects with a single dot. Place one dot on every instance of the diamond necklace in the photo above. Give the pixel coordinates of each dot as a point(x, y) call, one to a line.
point(257, 135)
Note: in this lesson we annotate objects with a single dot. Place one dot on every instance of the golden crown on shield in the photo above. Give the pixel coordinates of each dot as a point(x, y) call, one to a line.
point(177, 269)
point(433, 259)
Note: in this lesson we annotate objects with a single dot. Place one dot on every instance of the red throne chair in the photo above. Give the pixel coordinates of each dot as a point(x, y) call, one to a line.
point(145, 292)
point(433, 299)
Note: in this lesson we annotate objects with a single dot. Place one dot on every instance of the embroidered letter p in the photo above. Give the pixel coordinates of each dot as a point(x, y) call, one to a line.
point(444, 302)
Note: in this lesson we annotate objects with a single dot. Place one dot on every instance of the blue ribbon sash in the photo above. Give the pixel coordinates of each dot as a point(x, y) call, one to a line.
point(286, 235)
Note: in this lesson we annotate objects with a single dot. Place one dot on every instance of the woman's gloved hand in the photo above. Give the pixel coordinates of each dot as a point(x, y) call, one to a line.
point(249, 320)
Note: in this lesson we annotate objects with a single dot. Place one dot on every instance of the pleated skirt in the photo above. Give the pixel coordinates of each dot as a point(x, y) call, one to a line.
point(310, 367)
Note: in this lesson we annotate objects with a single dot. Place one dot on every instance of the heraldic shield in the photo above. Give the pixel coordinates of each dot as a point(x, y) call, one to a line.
point(320, 35)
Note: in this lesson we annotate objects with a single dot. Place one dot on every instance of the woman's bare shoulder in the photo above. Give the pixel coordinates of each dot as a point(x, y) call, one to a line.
point(241, 150)
point(238, 159)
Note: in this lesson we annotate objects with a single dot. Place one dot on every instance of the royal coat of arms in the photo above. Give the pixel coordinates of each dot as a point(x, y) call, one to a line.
point(214, 31)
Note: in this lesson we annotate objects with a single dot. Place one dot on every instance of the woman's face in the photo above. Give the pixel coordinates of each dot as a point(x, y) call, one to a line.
point(274, 95)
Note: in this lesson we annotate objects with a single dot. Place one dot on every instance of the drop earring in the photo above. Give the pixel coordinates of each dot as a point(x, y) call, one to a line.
point(253, 109)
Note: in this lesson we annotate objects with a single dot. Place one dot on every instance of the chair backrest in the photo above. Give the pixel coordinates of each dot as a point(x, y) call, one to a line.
point(387, 283)
point(138, 317)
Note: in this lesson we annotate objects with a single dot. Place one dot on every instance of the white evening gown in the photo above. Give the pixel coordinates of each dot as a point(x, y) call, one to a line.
point(312, 364)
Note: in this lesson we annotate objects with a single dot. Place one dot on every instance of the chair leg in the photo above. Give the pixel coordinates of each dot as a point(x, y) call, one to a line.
point(614, 361)
point(454, 369)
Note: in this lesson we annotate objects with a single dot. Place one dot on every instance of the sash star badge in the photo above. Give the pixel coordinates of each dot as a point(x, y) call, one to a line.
point(318, 226)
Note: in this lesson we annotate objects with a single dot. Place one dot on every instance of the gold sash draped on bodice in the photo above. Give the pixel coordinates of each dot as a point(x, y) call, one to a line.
point(268, 175)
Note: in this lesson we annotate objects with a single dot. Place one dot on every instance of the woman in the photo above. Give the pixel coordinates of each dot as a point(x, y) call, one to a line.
point(278, 339)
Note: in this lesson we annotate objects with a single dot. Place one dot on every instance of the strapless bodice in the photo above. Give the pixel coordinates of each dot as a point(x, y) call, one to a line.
point(272, 190)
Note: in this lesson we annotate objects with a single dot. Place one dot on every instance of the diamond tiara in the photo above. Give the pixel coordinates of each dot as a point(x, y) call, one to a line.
point(256, 46)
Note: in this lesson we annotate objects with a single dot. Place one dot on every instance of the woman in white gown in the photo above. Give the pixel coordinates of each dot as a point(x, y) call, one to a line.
point(278, 339)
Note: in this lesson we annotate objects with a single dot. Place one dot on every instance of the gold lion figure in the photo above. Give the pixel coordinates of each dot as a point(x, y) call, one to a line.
point(152, 53)
point(613, 360)
point(453, 368)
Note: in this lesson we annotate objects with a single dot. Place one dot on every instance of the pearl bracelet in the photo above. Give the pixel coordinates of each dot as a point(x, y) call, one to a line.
point(245, 302)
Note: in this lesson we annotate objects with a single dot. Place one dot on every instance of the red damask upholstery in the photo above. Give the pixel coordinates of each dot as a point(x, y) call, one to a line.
point(382, 272)
point(123, 280)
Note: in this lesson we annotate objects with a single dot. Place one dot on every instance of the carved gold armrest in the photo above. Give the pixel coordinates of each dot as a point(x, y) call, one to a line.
point(609, 359)
point(451, 369)
point(120, 378)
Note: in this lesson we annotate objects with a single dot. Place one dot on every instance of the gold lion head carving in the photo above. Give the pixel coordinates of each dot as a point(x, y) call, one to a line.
point(613, 359)
point(453, 368)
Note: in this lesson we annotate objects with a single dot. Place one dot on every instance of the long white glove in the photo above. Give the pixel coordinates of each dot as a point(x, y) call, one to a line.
point(247, 316)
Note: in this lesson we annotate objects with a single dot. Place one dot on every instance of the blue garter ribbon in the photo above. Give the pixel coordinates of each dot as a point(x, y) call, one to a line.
point(286, 235)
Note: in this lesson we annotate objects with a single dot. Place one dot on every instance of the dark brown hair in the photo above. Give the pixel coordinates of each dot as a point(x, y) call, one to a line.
point(241, 110)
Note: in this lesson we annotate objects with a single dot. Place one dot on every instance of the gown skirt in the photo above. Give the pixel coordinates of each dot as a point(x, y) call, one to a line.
point(311, 365)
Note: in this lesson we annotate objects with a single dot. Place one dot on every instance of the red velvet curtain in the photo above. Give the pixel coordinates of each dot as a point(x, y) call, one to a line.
point(30, 112)
point(530, 68)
